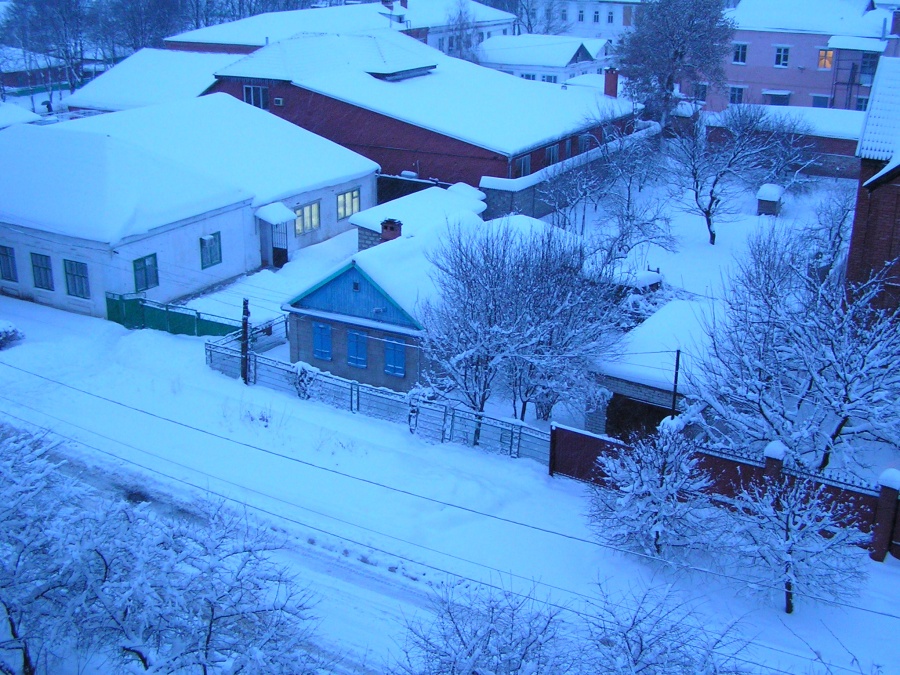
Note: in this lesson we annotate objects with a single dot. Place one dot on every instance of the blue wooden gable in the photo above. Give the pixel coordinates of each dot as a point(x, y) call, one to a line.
point(352, 292)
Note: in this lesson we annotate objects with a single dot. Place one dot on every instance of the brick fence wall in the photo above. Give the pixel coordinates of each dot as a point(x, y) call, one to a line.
point(574, 453)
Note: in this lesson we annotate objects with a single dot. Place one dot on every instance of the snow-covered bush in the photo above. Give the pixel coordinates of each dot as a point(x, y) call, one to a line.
point(797, 538)
point(475, 629)
point(9, 334)
point(652, 497)
point(655, 632)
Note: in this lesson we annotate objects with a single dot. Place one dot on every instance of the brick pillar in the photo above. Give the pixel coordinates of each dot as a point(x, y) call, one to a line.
point(611, 82)
point(774, 454)
point(885, 515)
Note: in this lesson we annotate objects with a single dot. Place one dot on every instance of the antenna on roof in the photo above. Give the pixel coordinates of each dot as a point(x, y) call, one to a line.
point(267, 39)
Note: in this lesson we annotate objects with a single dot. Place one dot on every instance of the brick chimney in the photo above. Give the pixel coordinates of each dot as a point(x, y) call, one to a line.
point(391, 228)
point(611, 82)
point(404, 4)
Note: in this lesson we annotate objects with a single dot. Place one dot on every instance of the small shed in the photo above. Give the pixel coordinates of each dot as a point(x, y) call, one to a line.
point(768, 200)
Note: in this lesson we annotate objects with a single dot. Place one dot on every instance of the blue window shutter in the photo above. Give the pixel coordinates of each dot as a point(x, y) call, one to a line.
point(356, 349)
point(395, 358)
point(322, 341)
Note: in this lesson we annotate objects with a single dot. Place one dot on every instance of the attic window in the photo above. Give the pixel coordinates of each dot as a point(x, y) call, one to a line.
point(355, 285)
point(399, 75)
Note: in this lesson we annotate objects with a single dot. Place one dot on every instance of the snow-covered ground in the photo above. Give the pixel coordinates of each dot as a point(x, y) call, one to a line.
point(376, 513)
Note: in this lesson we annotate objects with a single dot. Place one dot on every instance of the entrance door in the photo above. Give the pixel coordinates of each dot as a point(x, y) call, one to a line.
point(280, 244)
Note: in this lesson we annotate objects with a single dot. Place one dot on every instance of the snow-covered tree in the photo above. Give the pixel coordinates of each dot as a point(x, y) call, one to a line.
point(798, 358)
point(476, 629)
point(796, 537)
point(200, 593)
point(655, 632)
point(674, 42)
point(653, 498)
point(9, 334)
point(518, 306)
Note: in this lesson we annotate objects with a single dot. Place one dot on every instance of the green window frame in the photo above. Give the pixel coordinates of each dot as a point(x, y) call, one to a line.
point(210, 250)
point(308, 218)
point(8, 270)
point(347, 203)
point(146, 273)
point(42, 270)
point(77, 282)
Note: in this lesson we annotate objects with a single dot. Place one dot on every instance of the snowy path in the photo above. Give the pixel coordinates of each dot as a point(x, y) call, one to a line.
point(343, 482)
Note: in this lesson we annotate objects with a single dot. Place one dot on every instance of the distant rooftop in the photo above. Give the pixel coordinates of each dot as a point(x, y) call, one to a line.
point(823, 17)
point(263, 29)
point(555, 51)
point(151, 76)
point(456, 98)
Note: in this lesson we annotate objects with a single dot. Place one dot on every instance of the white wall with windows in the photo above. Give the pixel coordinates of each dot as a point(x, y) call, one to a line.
point(167, 263)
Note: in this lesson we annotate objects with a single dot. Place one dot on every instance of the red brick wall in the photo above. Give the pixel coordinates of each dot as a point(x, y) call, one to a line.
point(210, 48)
point(397, 146)
point(876, 228)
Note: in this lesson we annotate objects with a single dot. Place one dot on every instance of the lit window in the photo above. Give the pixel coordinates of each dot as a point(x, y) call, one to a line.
point(8, 264)
point(77, 279)
point(210, 250)
point(322, 341)
point(357, 344)
point(782, 56)
point(146, 273)
point(740, 53)
point(826, 59)
point(395, 358)
point(256, 96)
point(307, 218)
point(42, 271)
point(347, 203)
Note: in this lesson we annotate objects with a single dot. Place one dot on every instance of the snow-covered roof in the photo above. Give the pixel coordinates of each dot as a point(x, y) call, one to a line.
point(151, 76)
point(401, 267)
point(235, 142)
point(275, 213)
point(880, 138)
point(552, 51)
point(860, 44)
point(770, 192)
point(98, 188)
point(10, 114)
point(824, 122)
point(647, 353)
point(459, 99)
point(13, 59)
point(264, 29)
point(419, 210)
point(823, 17)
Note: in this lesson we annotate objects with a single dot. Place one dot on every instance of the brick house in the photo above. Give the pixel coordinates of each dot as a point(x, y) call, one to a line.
point(817, 53)
point(21, 70)
point(412, 109)
point(875, 240)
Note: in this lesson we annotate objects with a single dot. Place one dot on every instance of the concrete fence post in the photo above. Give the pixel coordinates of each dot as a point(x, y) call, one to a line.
point(774, 455)
point(885, 514)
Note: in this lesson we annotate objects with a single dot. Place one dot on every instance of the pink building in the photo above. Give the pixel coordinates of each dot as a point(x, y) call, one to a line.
point(819, 53)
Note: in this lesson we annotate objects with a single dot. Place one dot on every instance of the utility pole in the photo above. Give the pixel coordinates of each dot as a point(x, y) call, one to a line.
point(245, 343)
point(675, 387)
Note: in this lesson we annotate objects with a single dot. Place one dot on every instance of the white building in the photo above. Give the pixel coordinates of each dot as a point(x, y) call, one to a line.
point(590, 19)
point(548, 58)
point(165, 200)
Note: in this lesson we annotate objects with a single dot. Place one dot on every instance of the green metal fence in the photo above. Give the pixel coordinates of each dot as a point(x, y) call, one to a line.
point(134, 311)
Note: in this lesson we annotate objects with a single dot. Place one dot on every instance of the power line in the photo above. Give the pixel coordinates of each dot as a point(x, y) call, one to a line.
point(627, 552)
point(208, 490)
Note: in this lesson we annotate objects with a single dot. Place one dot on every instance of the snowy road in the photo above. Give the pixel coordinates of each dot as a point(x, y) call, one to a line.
point(375, 512)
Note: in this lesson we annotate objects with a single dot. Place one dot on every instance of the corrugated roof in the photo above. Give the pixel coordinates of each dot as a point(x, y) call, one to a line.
point(880, 138)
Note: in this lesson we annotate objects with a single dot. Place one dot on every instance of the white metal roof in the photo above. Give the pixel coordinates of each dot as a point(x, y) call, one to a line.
point(880, 137)
point(553, 51)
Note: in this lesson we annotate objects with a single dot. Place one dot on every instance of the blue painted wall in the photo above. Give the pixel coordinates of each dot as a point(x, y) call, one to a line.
point(338, 296)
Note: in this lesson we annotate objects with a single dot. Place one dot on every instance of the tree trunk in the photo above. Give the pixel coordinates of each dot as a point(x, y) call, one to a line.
point(788, 597)
point(712, 230)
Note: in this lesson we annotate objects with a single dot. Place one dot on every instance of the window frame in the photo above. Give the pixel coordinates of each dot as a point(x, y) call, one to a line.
point(210, 260)
point(315, 214)
point(527, 76)
point(782, 56)
point(39, 279)
point(150, 273)
point(321, 345)
point(816, 98)
point(610, 18)
point(354, 197)
point(596, 16)
point(580, 16)
point(551, 79)
point(731, 95)
point(551, 154)
point(825, 56)
point(862, 103)
point(78, 283)
point(357, 349)
point(395, 358)
point(739, 49)
point(522, 166)
point(8, 270)
point(257, 94)
point(701, 87)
